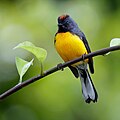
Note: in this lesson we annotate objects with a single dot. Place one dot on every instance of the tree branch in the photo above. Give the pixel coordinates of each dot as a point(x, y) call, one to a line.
point(56, 68)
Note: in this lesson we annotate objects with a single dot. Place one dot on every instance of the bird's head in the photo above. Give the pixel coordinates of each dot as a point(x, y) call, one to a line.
point(66, 23)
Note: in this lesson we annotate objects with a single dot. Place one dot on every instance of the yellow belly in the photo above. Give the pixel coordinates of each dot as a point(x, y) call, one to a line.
point(69, 46)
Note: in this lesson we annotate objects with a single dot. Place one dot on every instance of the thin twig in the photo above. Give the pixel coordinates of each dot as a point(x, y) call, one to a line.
point(54, 69)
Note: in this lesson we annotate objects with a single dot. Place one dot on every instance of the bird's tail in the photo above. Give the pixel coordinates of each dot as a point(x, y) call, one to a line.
point(88, 89)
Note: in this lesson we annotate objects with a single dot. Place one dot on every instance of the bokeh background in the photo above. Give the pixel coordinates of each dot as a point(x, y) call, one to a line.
point(58, 96)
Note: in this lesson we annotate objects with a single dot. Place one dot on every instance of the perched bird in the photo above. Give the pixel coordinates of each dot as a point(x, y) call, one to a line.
point(70, 42)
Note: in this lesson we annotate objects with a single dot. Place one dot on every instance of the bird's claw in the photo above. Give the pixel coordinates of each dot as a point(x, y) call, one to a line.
point(83, 58)
point(59, 66)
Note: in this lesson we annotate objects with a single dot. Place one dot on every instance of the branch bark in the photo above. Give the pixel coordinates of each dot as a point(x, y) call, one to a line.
point(55, 69)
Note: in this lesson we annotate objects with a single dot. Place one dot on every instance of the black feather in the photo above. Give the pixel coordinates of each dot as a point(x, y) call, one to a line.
point(74, 71)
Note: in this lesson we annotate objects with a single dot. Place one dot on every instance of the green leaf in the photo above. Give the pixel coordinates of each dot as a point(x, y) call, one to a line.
point(22, 66)
point(115, 42)
point(40, 53)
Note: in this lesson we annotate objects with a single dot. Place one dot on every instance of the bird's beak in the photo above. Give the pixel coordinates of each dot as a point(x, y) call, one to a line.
point(60, 24)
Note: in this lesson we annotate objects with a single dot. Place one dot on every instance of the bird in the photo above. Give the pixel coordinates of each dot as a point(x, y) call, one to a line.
point(70, 43)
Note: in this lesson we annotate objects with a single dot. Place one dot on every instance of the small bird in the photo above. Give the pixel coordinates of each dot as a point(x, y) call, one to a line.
point(70, 42)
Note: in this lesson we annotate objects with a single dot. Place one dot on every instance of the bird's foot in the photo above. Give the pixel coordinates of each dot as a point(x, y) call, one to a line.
point(59, 66)
point(83, 57)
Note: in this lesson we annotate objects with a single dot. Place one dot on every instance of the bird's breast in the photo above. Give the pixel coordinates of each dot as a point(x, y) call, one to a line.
point(69, 46)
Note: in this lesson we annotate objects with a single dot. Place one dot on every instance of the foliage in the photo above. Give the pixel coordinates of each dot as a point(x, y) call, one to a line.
point(38, 52)
point(22, 66)
point(58, 97)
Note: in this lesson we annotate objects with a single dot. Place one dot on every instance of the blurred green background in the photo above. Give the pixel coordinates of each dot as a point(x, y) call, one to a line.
point(58, 96)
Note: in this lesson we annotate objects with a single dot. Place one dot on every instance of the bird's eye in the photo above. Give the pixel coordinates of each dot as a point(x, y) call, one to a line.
point(67, 22)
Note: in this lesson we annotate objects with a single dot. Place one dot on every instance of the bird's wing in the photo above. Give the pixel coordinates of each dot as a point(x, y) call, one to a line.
point(83, 38)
